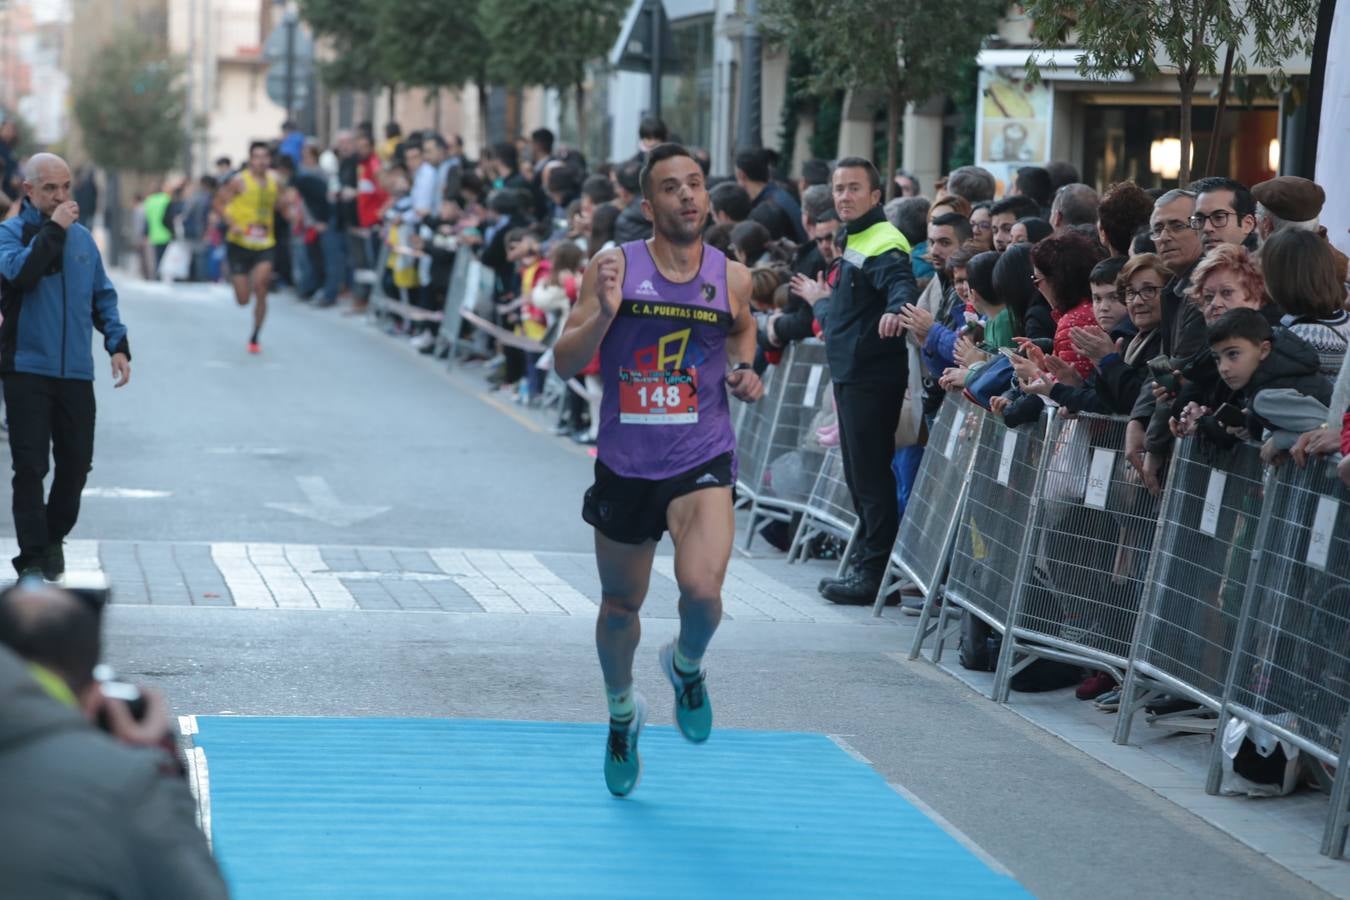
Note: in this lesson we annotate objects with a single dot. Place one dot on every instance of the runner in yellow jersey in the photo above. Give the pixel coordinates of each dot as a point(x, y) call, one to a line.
point(248, 204)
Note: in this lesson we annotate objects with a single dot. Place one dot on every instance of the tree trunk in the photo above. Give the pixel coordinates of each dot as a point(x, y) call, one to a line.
point(582, 133)
point(436, 112)
point(1212, 159)
point(895, 108)
point(393, 98)
point(1187, 84)
point(482, 113)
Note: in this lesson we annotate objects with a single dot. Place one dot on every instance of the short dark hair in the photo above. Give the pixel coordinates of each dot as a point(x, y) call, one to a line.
point(957, 222)
point(1124, 209)
point(563, 180)
point(1019, 205)
point(752, 239)
point(1037, 228)
point(259, 145)
point(61, 633)
point(505, 153)
point(652, 129)
point(718, 237)
point(1062, 173)
point(857, 162)
point(754, 162)
point(544, 138)
point(505, 202)
point(1107, 271)
point(815, 171)
point(732, 199)
point(1240, 324)
point(1244, 204)
point(629, 176)
point(392, 130)
point(1034, 182)
point(1067, 260)
point(598, 188)
point(224, 161)
point(659, 154)
point(432, 137)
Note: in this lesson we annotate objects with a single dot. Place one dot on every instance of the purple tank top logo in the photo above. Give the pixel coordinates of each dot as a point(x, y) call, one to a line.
point(664, 409)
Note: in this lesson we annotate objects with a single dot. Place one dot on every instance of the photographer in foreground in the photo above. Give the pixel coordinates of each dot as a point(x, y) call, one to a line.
point(84, 813)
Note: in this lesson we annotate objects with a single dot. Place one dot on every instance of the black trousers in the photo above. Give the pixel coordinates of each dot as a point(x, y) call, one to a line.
point(47, 416)
point(868, 416)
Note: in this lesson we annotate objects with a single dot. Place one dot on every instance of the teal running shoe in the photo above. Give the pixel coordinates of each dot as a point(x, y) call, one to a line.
point(623, 765)
point(693, 709)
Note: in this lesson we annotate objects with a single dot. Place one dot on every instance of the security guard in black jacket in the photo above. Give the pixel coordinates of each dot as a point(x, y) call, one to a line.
point(868, 366)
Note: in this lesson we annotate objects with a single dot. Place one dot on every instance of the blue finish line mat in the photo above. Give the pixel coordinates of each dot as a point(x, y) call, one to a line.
point(376, 808)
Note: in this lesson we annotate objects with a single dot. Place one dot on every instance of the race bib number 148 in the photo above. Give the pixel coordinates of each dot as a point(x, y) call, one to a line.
point(666, 397)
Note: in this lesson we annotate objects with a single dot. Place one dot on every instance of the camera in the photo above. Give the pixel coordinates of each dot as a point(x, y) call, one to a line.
point(124, 691)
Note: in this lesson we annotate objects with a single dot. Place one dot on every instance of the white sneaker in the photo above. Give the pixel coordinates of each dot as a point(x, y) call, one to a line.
point(421, 341)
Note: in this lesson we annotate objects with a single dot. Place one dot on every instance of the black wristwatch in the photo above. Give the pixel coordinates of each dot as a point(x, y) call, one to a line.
point(742, 366)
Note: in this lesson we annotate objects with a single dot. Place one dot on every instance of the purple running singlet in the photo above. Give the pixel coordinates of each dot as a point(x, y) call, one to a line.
point(664, 410)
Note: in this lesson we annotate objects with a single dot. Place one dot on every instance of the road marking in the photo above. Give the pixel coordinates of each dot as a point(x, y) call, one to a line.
point(960, 836)
point(323, 505)
point(283, 581)
point(245, 584)
point(246, 451)
point(121, 493)
point(199, 783)
point(326, 586)
point(471, 579)
point(750, 595)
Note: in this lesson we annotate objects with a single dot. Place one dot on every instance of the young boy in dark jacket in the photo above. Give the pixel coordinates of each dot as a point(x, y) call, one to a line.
point(1272, 376)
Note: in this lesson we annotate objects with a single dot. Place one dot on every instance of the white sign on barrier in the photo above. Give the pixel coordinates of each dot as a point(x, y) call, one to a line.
point(1324, 522)
point(1005, 461)
point(1209, 518)
point(812, 386)
point(1099, 477)
point(957, 424)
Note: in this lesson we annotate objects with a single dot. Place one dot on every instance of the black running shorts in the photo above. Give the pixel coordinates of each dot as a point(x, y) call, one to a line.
point(633, 510)
point(243, 260)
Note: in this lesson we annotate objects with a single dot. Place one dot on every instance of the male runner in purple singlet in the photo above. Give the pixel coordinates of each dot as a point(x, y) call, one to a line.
point(670, 317)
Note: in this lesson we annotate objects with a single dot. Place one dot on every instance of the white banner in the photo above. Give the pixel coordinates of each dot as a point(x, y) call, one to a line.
point(1334, 131)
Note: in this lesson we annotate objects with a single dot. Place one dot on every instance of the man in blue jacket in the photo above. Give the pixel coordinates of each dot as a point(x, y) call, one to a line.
point(53, 293)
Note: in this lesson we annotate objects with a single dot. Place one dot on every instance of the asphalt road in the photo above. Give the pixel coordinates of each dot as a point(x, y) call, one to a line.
point(379, 447)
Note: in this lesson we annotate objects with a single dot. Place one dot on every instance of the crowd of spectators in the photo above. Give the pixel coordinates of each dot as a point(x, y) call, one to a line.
point(1216, 309)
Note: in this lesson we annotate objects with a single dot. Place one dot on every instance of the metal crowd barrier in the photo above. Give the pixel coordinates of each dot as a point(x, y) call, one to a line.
point(1091, 541)
point(777, 484)
point(829, 508)
point(448, 340)
point(927, 529)
point(1290, 669)
point(993, 537)
point(1189, 615)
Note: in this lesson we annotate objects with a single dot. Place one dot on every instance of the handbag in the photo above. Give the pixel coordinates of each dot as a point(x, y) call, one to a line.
point(989, 381)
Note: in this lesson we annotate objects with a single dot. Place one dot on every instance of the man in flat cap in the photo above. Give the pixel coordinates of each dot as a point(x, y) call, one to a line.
point(1292, 202)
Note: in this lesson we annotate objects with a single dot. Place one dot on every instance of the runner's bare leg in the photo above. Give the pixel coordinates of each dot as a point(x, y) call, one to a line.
point(262, 280)
point(703, 527)
point(625, 573)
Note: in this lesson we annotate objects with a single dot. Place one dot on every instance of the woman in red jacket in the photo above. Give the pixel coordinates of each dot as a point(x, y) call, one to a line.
point(1061, 266)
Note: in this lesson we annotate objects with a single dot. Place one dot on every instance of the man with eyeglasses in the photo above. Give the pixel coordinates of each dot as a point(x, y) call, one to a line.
point(1148, 439)
point(1225, 213)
